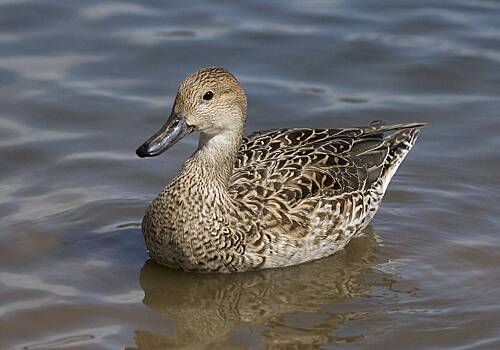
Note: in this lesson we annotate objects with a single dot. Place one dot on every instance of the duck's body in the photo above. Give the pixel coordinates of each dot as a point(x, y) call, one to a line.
point(276, 198)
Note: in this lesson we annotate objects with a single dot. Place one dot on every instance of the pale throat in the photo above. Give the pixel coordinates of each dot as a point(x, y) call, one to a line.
point(215, 144)
point(214, 158)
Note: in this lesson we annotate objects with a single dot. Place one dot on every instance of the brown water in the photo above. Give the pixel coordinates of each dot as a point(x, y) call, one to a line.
point(83, 83)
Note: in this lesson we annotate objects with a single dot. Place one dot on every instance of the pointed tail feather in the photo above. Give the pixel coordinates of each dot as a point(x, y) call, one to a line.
point(377, 127)
point(400, 143)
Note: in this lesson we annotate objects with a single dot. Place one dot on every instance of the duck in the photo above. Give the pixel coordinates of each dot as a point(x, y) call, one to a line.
point(272, 199)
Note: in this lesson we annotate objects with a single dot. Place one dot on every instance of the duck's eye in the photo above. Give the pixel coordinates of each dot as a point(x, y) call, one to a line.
point(208, 95)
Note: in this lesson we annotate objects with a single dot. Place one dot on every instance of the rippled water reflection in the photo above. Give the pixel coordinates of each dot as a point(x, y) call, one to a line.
point(296, 305)
point(82, 83)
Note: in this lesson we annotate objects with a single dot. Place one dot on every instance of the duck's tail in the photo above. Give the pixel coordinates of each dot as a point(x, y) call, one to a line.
point(400, 143)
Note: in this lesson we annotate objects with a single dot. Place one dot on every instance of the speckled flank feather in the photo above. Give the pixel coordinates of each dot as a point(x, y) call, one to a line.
point(311, 190)
point(275, 198)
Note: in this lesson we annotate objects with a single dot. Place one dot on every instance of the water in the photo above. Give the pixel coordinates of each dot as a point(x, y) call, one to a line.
point(83, 83)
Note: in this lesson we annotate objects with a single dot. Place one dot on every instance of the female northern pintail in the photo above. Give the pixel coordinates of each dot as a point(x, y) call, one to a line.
point(275, 198)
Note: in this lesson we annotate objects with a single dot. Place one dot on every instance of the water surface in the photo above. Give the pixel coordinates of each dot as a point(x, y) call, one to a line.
point(83, 83)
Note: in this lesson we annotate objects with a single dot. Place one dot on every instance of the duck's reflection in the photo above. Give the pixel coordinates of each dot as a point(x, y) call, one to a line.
point(286, 307)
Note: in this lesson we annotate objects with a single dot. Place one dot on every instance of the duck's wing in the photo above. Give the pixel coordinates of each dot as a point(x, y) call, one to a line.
point(284, 175)
point(294, 164)
point(303, 193)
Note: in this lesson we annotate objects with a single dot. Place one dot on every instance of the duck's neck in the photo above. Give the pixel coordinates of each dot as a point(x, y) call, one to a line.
point(214, 159)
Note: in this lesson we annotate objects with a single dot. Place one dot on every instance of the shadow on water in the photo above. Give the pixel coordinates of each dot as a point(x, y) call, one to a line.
point(216, 310)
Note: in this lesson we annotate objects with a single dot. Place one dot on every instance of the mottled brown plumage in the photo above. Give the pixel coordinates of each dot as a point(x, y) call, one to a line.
point(275, 198)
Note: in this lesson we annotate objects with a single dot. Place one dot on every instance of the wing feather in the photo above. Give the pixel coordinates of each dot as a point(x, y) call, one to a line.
point(283, 176)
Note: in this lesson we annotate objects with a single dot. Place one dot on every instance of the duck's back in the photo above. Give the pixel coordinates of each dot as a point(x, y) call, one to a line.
point(305, 192)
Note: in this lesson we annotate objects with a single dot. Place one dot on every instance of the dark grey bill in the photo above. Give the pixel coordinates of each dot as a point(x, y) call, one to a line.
point(174, 129)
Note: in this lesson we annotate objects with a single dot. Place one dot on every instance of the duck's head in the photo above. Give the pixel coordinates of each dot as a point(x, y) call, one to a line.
point(210, 101)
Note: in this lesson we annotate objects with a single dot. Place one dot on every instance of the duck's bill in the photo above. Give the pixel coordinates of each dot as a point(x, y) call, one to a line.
point(174, 129)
